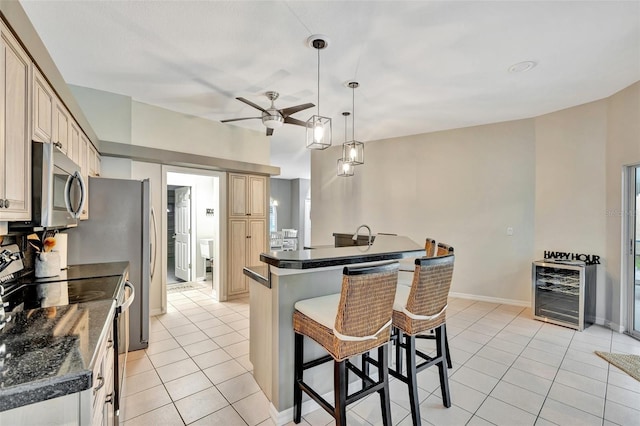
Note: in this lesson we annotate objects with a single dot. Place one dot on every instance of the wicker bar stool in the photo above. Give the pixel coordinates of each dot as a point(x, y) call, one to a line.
point(346, 325)
point(406, 265)
point(443, 249)
point(420, 308)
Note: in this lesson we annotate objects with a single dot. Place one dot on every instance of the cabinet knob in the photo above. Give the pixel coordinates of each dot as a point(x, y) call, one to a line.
point(1, 203)
point(6, 204)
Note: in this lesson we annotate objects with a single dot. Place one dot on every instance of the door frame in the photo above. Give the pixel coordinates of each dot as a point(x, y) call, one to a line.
point(629, 247)
point(221, 264)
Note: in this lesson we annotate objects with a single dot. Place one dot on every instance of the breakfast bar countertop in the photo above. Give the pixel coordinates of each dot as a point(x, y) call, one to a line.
point(384, 247)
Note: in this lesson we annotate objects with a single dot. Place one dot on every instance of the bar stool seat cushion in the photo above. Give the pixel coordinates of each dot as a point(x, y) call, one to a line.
point(322, 310)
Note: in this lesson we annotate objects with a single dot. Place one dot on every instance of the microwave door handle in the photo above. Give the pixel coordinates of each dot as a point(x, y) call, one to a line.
point(67, 195)
point(83, 194)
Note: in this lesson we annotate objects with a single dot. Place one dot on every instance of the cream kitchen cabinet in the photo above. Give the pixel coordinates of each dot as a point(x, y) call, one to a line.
point(93, 160)
point(15, 144)
point(61, 123)
point(247, 195)
point(247, 239)
point(44, 101)
point(247, 227)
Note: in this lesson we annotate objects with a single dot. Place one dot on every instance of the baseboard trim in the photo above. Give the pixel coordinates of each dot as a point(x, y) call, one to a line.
point(514, 302)
point(283, 417)
point(156, 311)
point(612, 325)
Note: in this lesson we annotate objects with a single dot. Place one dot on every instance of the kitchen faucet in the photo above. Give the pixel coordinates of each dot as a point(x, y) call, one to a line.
point(355, 236)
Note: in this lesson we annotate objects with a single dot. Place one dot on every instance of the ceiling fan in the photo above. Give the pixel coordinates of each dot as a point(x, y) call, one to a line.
point(272, 117)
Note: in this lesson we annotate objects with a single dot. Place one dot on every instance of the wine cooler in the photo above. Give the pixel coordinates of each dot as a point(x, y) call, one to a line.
point(564, 293)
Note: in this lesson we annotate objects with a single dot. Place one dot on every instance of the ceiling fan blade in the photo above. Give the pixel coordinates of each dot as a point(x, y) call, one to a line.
point(269, 131)
point(248, 102)
point(238, 119)
point(292, 110)
point(291, 120)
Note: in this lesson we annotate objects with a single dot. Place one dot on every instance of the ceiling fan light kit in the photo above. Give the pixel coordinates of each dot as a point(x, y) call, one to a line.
point(318, 127)
point(272, 117)
point(353, 151)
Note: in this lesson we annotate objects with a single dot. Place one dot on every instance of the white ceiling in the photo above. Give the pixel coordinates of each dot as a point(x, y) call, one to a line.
point(422, 66)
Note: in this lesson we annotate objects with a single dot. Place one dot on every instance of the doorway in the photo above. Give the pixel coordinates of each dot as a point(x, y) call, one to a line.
point(192, 201)
point(633, 244)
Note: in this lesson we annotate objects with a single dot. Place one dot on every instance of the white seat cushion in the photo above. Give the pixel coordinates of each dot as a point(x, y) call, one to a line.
point(402, 295)
point(322, 310)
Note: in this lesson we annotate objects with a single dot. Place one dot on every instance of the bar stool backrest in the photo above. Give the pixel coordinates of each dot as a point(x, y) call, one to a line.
point(430, 247)
point(430, 290)
point(366, 300)
point(444, 249)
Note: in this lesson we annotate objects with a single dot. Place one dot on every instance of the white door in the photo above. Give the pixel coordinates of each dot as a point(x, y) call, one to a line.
point(633, 239)
point(183, 233)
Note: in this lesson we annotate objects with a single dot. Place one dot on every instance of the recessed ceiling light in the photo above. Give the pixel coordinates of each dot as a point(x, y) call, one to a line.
point(522, 66)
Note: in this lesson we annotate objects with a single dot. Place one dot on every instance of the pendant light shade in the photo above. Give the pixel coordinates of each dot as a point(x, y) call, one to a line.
point(353, 151)
point(345, 169)
point(318, 127)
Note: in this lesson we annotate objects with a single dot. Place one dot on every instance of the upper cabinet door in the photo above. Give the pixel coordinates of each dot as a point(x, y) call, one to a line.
point(237, 195)
point(61, 120)
point(247, 195)
point(15, 145)
point(43, 103)
point(256, 199)
point(74, 142)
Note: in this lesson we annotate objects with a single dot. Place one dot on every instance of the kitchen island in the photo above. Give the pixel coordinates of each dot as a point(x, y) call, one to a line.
point(286, 277)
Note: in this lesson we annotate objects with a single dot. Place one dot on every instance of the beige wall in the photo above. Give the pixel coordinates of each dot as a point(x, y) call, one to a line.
point(118, 118)
point(464, 187)
point(623, 149)
point(570, 185)
point(555, 179)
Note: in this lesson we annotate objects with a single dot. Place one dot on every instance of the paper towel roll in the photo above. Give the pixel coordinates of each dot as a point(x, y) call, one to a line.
point(61, 247)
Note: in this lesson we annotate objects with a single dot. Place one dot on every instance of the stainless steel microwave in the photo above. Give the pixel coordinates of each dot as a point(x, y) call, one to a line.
point(59, 192)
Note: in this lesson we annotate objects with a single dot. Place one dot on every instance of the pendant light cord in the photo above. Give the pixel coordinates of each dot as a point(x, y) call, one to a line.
point(318, 81)
point(353, 108)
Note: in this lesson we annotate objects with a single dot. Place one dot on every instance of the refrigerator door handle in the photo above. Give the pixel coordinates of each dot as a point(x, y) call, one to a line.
point(153, 242)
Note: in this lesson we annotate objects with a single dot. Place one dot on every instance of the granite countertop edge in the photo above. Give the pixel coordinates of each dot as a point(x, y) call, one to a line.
point(43, 390)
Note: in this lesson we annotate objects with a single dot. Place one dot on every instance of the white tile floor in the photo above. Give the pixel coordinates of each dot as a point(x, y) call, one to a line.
point(508, 370)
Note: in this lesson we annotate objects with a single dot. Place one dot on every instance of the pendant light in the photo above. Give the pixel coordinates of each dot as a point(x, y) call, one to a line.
point(345, 169)
point(318, 127)
point(353, 151)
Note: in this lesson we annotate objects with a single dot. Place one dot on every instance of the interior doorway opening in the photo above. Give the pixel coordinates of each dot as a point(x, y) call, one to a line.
point(192, 218)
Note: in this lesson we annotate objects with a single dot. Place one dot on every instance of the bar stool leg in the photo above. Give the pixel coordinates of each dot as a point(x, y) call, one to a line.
point(442, 368)
point(446, 345)
point(383, 375)
point(365, 368)
point(297, 390)
point(412, 379)
point(340, 392)
point(398, 338)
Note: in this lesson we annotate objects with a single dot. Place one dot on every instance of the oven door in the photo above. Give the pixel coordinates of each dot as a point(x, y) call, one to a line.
point(121, 343)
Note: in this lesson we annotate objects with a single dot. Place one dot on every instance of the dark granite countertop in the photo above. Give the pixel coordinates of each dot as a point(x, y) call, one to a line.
point(385, 247)
point(49, 352)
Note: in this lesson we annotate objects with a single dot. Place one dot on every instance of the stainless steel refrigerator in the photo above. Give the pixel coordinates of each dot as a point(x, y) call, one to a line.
point(118, 229)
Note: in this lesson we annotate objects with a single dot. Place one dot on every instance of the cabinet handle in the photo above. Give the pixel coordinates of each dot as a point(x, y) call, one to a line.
point(109, 399)
point(1, 203)
point(100, 384)
point(58, 144)
point(109, 344)
point(6, 204)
